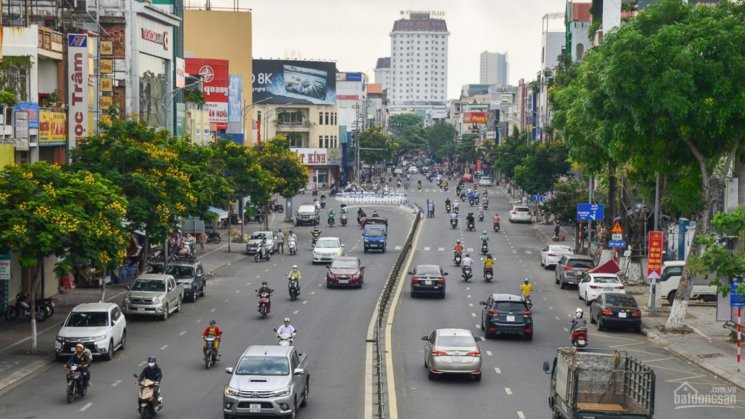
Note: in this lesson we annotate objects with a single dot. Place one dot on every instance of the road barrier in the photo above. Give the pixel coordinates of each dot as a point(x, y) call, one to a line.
point(385, 297)
point(372, 198)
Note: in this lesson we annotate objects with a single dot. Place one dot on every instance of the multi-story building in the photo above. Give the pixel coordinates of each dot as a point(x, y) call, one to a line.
point(383, 72)
point(577, 23)
point(493, 68)
point(377, 106)
point(552, 46)
point(469, 90)
point(419, 63)
point(351, 99)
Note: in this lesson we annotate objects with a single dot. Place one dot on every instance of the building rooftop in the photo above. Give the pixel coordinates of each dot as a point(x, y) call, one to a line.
point(383, 62)
point(581, 12)
point(420, 24)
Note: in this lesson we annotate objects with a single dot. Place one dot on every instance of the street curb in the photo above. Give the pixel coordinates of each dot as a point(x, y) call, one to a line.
point(655, 337)
point(8, 383)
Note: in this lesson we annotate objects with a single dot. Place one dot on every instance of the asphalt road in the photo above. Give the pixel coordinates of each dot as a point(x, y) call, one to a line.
point(513, 383)
point(332, 327)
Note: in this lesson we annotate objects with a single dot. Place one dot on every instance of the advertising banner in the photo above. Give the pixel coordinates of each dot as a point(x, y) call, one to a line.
point(312, 156)
point(348, 76)
point(52, 128)
point(77, 92)
point(215, 77)
point(180, 72)
point(106, 66)
point(290, 81)
point(475, 117)
point(654, 255)
point(32, 109)
point(235, 104)
point(107, 47)
point(106, 84)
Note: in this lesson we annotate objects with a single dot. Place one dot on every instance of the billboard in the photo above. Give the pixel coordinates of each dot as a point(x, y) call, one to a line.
point(348, 76)
point(215, 76)
point(52, 128)
point(475, 117)
point(32, 109)
point(78, 90)
point(235, 104)
point(290, 81)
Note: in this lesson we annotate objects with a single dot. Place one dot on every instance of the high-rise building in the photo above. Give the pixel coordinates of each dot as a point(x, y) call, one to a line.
point(494, 68)
point(419, 63)
point(383, 72)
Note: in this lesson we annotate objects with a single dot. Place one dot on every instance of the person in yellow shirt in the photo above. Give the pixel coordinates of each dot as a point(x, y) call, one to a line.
point(526, 289)
point(488, 265)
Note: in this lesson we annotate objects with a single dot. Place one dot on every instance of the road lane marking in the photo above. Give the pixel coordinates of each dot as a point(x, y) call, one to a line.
point(426, 249)
point(237, 291)
point(508, 391)
point(87, 405)
point(528, 252)
point(473, 314)
point(305, 301)
point(116, 383)
point(296, 312)
point(557, 318)
point(468, 288)
point(498, 371)
point(266, 270)
point(478, 326)
point(470, 304)
point(141, 363)
point(520, 414)
point(489, 353)
point(566, 329)
point(397, 248)
point(183, 332)
point(227, 299)
point(320, 285)
point(440, 249)
point(248, 283)
point(162, 348)
point(312, 293)
point(514, 251)
point(469, 295)
point(550, 308)
point(213, 310)
point(470, 249)
point(258, 276)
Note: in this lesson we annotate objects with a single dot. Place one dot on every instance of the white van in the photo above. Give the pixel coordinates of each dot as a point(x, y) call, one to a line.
point(672, 271)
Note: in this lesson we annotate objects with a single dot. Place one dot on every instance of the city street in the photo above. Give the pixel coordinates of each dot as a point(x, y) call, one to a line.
point(331, 323)
point(513, 383)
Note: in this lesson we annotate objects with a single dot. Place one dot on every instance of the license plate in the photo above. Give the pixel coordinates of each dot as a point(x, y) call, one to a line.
point(343, 281)
point(510, 318)
point(254, 408)
point(622, 314)
point(140, 309)
point(457, 359)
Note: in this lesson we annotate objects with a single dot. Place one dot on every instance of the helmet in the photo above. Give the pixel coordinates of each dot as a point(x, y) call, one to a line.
point(578, 313)
point(151, 358)
point(468, 255)
point(294, 266)
point(526, 280)
point(212, 322)
point(484, 232)
point(263, 283)
point(79, 346)
point(287, 320)
point(457, 241)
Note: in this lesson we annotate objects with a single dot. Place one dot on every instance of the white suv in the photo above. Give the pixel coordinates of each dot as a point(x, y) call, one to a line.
point(100, 327)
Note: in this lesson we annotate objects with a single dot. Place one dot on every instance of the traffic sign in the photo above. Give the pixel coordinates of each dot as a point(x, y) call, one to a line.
point(736, 299)
point(616, 237)
point(616, 243)
point(616, 229)
point(590, 212)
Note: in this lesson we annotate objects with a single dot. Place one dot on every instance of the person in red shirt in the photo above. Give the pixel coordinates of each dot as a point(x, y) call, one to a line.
point(458, 248)
point(212, 330)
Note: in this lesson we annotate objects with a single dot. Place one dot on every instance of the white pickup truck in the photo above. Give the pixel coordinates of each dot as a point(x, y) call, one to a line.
point(672, 271)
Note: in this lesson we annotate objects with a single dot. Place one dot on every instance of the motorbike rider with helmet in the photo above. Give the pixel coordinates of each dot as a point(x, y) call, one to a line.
point(467, 262)
point(315, 234)
point(82, 358)
point(265, 289)
point(526, 289)
point(458, 248)
point(286, 328)
point(153, 373)
point(578, 321)
point(470, 219)
point(296, 275)
point(488, 265)
point(212, 330)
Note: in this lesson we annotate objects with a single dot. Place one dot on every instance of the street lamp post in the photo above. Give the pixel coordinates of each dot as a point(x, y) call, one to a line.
point(168, 97)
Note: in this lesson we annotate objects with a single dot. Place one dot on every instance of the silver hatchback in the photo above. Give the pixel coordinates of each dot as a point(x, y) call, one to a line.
point(452, 351)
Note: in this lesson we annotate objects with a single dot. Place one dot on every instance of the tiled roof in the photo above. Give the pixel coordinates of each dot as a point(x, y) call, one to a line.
point(383, 62)
point(420, 25)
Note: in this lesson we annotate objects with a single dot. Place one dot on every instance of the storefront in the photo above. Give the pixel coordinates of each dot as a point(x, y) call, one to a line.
point(151, 83)
point(322, 164)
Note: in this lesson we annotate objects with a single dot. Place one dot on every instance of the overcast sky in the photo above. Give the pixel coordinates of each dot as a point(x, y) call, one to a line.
point(354, 33)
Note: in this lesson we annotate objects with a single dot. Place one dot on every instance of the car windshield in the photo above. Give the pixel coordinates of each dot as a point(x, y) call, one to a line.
point(427, 270)
point(263, 365)
point(180, 271)
point(579, 263)
point(344, 264)
point(375, 232)
point(327, 244)
point(509, 306)
point(620, 301)
point(87, 319)
point(259, 236)
point(456, 341)
point(149, 285)
point(521, 209)
point(606, 280)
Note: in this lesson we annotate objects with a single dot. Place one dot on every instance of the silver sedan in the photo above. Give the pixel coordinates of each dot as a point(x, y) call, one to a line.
point(452, 351)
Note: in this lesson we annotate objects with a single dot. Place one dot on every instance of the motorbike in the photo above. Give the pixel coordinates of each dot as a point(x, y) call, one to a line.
point(75, 385)
point(313, 240)
point(419, 186)
point(470, 226)
point(496, 226)
point(579, 335)
point(454, 222)
point(484, 247)
point(213, 237)
point(264, 304)
point(331, 221)
point(155, 262)
point(210, 355)
point(467, 273)
point(471, 201)
point(262, 254)
point(285, 339)
point(463, 197)
point(323, 202)
point(485, 205)
point(448, 208)
point(529, 300)
point(344, 219)
point(488, 275)
point(361, 219)
point(457, 258)
point(445, 188)
point(481, 216)
point(294, 288)
point(292, 247)
point(22, 307)
point(147, 404)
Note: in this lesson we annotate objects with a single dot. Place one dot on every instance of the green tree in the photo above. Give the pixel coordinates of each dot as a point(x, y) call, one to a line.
point(563, 203)
point(74, 215)
point(724, 252)
point(542, 167)
point(375, 146)
point(465, 149)
point(510, 153)
point(398, 123)
point(441, 139)
point(288, 171)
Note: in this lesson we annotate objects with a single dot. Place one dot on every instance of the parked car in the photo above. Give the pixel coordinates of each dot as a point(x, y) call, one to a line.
point(551, 254)
point(154, 295)
point(591, 285)
point(485, 181)
point(452, 351)
point(255, 241)
point(100, 327)
point(345, 271)
point(669, 281)
point(520, 214)
point(616, 309)
point(307, 214)
point(267, 380)
point(506, 314)
point(570, 268)
point(191, 275)
point(413, 170)
point(326, 249)
point(428, 279)
point(398, 171)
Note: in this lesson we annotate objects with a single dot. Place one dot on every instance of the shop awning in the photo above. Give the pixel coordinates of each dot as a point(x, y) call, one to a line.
point(609, 267)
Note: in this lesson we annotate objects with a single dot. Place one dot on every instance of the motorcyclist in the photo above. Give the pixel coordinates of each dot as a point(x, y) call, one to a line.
point(470, 219)
point(262, 248)
point(296, 275)
point(330, 215)
point(286, 328)
point(483, 237)
point(212, 330)
point(458, 248)
point(291, 239)
point(455, 207)
point(153, 373)
point(453, 216)
point(578, 321)
point(488, 264)
point(82, 359)
point(526, 289)
point(265, 289)
point(481, 214)
point(447, 203)
point(496, 218)
point(467, 262)
point(419, 184)
point(445, 184)
point(315, 233)
point(344, 210)
point(375, 213)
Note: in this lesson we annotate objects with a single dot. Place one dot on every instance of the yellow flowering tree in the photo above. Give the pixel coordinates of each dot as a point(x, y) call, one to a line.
point(74, 215)
point(284, 165)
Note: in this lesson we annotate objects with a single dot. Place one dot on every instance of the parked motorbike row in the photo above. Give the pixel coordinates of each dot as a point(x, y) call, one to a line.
point(44, 308)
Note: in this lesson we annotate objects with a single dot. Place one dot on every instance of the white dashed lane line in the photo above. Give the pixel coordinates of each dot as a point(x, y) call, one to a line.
point(440, 249)
point(398, 248)
point(514, 251)
point(248, 283)
point(557, 318)
point(566, 329)
point(213, 310)
point(508, 391)
point(473, 314)
point(312, 293)
point(183, 332)
point(489, 353)
point(470, 249)
point(87, 405)
point(227, 299)
point(116, 383)
point(470, 304)
point(296, 312)
point(163, 348)
point(305, 301)
point(426, 249)
point(498, 371)
point(520, 414)
point(528, 252)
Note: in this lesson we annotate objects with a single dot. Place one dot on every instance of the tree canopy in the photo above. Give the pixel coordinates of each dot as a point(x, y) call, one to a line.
point(288, 171)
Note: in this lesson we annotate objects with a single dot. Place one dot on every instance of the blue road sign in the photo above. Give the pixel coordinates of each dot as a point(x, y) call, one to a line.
point(539, 198)
point(590, 212)
point(617, 243)
point(736, 299)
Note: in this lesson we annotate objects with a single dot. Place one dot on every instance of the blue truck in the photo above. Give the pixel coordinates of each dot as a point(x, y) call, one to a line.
point(375, 233)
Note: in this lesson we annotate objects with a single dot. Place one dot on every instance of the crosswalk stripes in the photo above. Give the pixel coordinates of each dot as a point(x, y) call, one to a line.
point(470, 249)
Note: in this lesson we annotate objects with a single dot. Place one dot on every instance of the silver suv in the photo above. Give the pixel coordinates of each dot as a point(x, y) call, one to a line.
point(570, 268)
point(307, 214)
point(154, 295)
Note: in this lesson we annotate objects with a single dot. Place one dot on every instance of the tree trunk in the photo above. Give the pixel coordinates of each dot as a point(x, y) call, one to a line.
point(740, 173)
point(30, 274)
point(676, 320)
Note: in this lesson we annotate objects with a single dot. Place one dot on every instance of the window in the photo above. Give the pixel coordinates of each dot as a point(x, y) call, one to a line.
point(320, 141)
point(326, 118)
point(320, 118)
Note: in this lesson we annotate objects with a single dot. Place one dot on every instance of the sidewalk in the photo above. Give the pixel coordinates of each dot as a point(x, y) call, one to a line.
point(15, 338)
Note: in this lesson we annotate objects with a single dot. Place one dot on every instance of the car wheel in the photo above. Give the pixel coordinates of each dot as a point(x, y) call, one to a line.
point(601, 326)
point(178, 306)
point(413, 294)
point(110, 352)
point(477, 377)
point(123, 342)
point(671, 297)
point(638, 329)
point(529, 337)
point(587, 301)
point(165, 313)
point(226, 416)
point(204, 289)
point(431, 375)
point(592, 319)
point(556, 279)
point(306, 393)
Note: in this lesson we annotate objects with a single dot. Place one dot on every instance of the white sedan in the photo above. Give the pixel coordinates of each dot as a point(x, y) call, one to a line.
point(413, 170)
point(326, 249)
point(551, 254)
point(591, 285)
point(485, 181)
point(520, 214)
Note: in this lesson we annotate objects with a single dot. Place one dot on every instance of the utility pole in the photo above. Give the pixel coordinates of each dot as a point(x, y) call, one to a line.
point(657, 201)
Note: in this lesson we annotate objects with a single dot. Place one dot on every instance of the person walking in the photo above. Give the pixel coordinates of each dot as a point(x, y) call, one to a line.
point(202, 239)
point(280, 241)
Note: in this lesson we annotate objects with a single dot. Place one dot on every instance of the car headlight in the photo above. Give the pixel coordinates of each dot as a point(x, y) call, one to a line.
point(282, 393)
point(101, 337)
point(229, 391)
point(60, 339)
point(126, 300)
point(156, 300)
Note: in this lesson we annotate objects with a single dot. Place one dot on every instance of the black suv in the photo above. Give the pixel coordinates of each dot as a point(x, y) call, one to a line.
point(506, 314)
point(191, 275)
